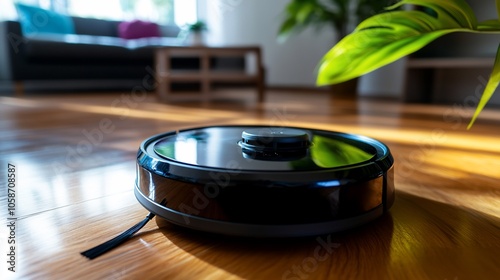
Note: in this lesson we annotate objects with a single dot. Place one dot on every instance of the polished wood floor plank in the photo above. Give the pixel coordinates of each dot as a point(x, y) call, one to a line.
point(75, 161)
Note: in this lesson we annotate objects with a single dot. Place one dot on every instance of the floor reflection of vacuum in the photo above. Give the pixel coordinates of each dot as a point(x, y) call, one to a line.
point(259, 181)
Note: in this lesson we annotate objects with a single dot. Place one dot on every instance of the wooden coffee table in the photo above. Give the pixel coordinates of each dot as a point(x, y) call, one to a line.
point(165, 75)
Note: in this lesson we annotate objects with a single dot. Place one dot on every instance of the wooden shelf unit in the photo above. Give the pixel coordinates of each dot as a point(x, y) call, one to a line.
point(428, 74)
point(424, 76)
point(165, 75)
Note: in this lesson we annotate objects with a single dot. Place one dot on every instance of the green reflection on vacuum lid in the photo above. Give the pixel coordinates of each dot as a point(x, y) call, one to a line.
point(166, 150)
point(325, 151)
point(330, 152)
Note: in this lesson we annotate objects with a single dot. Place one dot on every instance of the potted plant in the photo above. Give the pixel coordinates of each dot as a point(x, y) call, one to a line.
point(382, 39)
point(341, 15)
point(195, 32)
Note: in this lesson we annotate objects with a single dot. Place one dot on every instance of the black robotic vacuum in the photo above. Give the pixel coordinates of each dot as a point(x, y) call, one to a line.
point(260, 181)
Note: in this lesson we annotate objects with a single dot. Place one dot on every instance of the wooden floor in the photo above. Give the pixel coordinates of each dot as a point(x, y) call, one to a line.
point(74, 158)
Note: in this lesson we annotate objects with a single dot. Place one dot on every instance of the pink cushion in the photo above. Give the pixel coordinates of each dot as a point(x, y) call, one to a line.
point(138, 29)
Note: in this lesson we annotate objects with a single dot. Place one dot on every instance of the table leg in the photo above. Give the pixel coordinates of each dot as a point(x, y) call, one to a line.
point(162, 74)
point(205, 73)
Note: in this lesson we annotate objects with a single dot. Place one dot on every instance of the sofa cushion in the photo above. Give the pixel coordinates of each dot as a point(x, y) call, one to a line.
point(170, 30)
point(97, 27)
point(93, 48)
point(138, 29)
point(75, 47)
point(37, 20)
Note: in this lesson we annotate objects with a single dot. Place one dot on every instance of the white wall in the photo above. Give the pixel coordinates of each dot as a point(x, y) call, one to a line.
point(387, 81)
point(291, 63)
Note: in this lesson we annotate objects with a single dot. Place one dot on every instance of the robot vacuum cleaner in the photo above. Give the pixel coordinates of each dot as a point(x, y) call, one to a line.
point(261, 181)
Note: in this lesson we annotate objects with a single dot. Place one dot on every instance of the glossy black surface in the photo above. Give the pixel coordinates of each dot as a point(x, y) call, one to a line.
point(197, 155)
point(251, 203)
point(205, 173)
point(215, 146)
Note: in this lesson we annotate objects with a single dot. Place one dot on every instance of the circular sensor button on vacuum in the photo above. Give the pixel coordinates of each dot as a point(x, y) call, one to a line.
point(274, 140)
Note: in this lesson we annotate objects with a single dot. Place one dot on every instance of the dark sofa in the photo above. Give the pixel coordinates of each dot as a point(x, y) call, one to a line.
point(95, 52)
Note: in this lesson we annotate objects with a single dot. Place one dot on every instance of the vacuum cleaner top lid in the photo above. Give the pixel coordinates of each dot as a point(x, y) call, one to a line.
point(266, 152)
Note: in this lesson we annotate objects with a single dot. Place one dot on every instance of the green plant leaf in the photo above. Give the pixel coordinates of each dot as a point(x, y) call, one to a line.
point(286, 28)
point(305, 13)
point(498, 7)
point(491, 86)
point(386, 37)
point(298, 15)
point(489, 25)
point(380, 40)
point(450, 10)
